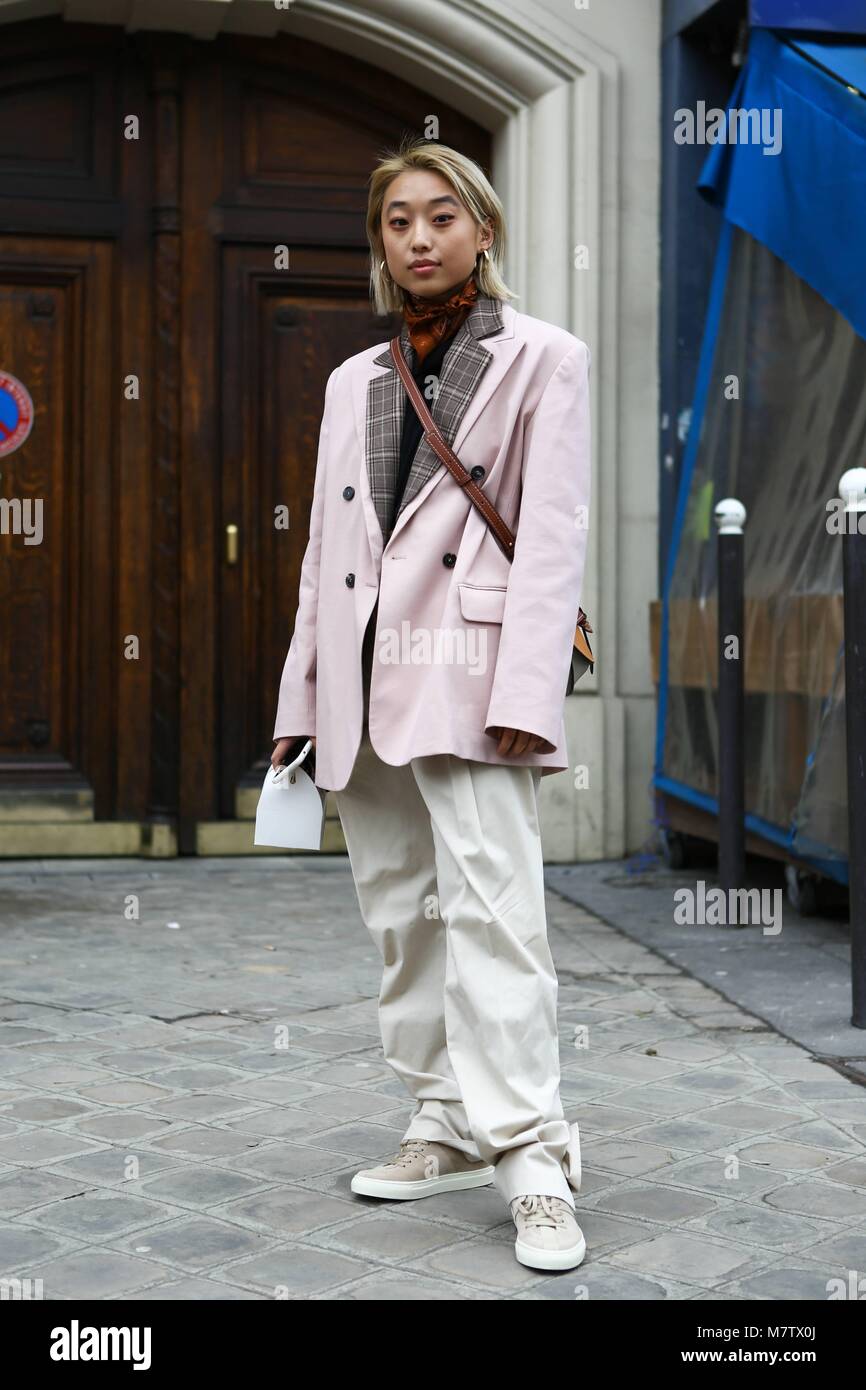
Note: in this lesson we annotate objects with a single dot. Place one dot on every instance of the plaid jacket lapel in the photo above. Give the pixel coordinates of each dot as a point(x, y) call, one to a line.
point(464, 365)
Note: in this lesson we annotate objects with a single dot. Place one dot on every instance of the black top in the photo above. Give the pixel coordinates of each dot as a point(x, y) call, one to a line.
point(412, 429)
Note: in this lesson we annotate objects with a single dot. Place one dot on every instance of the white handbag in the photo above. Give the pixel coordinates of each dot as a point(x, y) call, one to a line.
point(291, 809)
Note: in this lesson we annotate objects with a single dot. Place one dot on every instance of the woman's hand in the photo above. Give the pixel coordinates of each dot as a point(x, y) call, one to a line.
point(514, 742)
point(282, 747)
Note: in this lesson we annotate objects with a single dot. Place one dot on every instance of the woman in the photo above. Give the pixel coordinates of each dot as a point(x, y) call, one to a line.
point(432, 671)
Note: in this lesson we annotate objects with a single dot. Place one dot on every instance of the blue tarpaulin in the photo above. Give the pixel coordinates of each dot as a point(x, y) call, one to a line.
point(807, 202)
point(787, 319)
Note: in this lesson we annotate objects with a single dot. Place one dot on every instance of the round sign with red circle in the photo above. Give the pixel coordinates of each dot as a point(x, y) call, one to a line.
point(16, 413)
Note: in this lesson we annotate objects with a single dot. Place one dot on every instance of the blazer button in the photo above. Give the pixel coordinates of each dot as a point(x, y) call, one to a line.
point(350, 580)
point(449, 560)
point(476, 473)
point(348, 493)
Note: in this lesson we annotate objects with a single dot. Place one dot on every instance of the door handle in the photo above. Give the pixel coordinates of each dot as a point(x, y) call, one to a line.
point(231, 544)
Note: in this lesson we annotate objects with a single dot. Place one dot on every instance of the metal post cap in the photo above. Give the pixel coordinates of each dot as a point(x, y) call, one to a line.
point(730, 516)
point(852, 489)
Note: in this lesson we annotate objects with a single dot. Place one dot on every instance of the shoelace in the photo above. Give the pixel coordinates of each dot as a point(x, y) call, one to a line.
point(540, 1210)
point(409, 1149)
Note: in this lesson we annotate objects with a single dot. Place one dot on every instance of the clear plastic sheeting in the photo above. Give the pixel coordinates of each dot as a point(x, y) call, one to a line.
point(785, 416)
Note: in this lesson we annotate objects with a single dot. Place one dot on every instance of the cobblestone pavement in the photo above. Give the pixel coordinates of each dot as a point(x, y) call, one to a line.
point(191, 1073)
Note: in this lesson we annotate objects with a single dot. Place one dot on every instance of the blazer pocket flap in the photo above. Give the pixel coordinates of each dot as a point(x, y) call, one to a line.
point(482, 603)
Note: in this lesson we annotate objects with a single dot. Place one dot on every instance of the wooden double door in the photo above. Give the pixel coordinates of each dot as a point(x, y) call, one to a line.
point(182, 263)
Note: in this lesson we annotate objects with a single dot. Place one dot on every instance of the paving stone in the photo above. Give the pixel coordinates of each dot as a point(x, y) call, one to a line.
point(846, 1248)
point(139, 1062)
point(631, 1158)
point(599, 1281)
point(654, 1202)
point(479, 1262)
point(716, 1174)
point(111, 1167)
point(717, 1082)
point(196, 1291)
point(23, 1189)
point(202, 1243)
point(820, 1199)
point(852, 1172)
point(61, 1074)
point(784, 1156)
point(346, 1072)
point(198, 1078)
point(402, 1288)
point(198, 1187)
point(15, 1033)
point(360, 1141)
point(754, 1223)
point(213, 1106)
point(43, 1146)
point(125, 1127)
point(846, 1112)
point(94, 1216)
point(288, 1121)
point(295, 1271)
point(806, 1283)
point(658, 1100)
point(387, 1235)
point(124, 1093)
point(824, 1136)
point(44, 1109)
point(95, 1273)
point(745, 1117)
point(282, 1090)
point(680, 1255)
point(691, 1134)
point(611, 1119)
point(346, 1105)
point(14, 1061)
point(289, 1211)
point(21, 1246)
point(204, 1140)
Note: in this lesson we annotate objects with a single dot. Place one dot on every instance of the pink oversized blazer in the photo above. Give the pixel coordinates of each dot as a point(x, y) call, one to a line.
point(517, 390)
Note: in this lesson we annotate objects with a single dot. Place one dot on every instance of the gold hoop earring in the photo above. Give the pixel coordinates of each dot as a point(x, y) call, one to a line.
point(484, 253)
point(383, 270)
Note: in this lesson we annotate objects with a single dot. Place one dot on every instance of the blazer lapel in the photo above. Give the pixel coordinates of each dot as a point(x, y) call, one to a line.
point(465, 364)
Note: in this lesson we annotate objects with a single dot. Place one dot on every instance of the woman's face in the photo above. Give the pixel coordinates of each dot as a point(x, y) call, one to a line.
point(431, 240)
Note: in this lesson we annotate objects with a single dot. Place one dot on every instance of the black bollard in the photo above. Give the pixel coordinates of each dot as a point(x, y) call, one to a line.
point(730, 516)
point(852, 488)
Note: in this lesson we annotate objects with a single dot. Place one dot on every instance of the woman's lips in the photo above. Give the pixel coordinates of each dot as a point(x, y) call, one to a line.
point(424, 269)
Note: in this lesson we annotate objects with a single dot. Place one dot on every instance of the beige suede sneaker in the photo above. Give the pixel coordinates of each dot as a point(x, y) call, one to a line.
point(548, 1236)
point(422, 1168)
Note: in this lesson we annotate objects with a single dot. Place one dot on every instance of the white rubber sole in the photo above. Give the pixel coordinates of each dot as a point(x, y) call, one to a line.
point(423, 1187)
point(537, 1258)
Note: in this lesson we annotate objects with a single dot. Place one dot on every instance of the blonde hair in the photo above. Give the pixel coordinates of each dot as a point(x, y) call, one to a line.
point(475, 193)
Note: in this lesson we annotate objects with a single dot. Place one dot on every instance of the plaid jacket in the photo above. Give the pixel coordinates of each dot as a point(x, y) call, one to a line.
point(465, 364)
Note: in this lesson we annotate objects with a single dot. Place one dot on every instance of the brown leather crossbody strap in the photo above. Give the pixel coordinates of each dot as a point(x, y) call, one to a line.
point(446, 454)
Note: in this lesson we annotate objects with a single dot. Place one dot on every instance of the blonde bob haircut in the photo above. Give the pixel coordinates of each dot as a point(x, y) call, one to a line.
point(475, 193)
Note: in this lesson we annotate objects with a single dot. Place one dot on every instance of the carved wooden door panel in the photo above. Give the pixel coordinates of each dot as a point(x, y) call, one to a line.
point(283, 335)
point(56, 535)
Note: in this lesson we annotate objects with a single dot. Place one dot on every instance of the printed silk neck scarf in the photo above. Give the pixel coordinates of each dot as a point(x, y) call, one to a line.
point(431, 320)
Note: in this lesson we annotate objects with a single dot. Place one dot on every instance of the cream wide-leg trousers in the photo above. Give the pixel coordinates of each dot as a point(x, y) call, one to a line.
point(446, 857)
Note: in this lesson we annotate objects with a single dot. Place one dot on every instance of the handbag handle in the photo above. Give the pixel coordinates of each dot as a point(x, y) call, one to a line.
point(446, 455)
point(280, 772)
